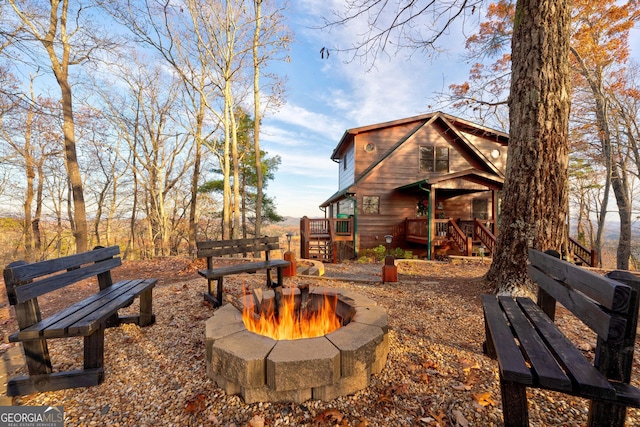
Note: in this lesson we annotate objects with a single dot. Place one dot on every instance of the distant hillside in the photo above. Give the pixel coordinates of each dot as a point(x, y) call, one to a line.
point(289, 221)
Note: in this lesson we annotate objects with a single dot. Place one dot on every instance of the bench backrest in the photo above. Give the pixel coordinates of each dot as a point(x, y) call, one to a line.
point(608, 305)
point(26, 281)
point(220, 248)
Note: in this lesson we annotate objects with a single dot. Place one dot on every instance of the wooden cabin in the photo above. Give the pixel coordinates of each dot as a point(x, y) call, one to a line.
point(432, 182)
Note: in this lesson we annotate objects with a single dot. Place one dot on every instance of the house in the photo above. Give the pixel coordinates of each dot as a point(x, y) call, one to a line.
point(432, 182)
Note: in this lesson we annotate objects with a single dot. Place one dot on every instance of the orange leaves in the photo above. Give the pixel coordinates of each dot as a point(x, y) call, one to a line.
point(196, 403)
point(329, 417)
point(483, 399)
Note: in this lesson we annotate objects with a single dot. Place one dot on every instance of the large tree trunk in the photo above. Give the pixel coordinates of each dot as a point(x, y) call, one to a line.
point(535, 191)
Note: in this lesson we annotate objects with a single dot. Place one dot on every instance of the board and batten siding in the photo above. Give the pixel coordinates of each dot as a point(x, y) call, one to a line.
point(346, 176)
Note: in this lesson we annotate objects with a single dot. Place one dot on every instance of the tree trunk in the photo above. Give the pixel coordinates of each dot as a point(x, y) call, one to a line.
point(195, 178)
point(257, 117)
point(535, 190)
point(31, 174)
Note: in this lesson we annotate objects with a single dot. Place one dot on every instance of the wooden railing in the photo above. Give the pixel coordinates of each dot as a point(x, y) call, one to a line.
point(464, 243)
point(416, 230)
point(481, 232)
point(324, 229)
point(589, 257)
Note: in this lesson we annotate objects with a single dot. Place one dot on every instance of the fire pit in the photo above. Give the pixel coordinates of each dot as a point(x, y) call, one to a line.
point(261, 368)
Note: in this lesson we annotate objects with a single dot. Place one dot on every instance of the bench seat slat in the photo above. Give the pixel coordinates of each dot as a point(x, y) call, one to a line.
point(89, 323)
point(547, 371)
point(83, 313)
point(244, 267)
point(512, 365)
point(588, 381)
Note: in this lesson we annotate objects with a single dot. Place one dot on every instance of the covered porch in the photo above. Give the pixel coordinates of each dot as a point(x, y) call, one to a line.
point(455, 213)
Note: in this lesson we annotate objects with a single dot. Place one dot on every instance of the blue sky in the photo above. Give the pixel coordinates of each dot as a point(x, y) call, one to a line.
point(325, 97)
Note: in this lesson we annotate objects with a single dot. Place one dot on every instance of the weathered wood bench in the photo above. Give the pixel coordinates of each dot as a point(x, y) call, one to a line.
point(87, 318)
point(532, 352)
point(211, 249)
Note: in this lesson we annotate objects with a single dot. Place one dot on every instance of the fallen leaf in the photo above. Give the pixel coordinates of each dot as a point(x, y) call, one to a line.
point(256, 421)
point(439, 417)
point(457, 385)
point(330, 416)
point(429, 365)
point(459, 419)
point(484, 399)
point(424, 377)
point(362, 422)
point(195, 403)
point(468, 364)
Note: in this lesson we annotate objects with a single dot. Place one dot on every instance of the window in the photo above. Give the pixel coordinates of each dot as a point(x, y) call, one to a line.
point(480, 209)
point(371, 205)
point(434, 159)
point(344, 162)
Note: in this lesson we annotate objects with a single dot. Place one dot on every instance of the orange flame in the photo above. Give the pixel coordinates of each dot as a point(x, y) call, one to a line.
point(292, 323)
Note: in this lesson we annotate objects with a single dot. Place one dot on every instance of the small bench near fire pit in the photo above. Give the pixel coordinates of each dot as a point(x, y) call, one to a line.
point(532, 352)
point(88, 318)
point(218, 248)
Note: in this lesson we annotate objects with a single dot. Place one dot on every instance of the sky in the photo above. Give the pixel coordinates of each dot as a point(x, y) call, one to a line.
point(325, 97)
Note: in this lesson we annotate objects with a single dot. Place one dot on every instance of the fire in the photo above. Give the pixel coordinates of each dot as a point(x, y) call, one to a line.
point(292, 323)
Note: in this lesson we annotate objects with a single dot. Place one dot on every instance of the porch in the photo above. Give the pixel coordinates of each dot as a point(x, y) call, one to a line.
point(335, 239)
point(476, 237)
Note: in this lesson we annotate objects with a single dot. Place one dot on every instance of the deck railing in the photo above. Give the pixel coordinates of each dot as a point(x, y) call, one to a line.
point(325, 229)
point(483, 233)
point(589, 257)
point(464, 243)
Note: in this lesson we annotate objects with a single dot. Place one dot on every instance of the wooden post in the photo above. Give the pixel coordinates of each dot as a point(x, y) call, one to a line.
point(289, 271)
point(389, 269)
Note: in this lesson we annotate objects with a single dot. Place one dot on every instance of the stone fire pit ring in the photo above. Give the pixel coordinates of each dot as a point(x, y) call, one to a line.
point(261, 369)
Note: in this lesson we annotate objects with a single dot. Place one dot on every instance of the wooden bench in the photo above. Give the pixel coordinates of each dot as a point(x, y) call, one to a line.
point(532, 352)
point(211, 249)
point(87, 318)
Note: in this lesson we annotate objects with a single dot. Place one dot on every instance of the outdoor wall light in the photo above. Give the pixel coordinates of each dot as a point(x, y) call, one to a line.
point(440, 206)
point(289, 236)
point(388, 238)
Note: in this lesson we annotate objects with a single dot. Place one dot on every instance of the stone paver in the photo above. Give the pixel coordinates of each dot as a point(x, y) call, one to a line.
point(310, 362)
point(242, 356)
point(357, 343)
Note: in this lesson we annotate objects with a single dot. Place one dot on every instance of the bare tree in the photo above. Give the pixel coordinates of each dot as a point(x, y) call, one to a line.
point(68, 40)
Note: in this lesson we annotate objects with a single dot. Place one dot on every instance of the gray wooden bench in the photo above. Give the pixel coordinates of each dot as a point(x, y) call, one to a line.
point(88, 318)
point(211, 249)
point(532, 352)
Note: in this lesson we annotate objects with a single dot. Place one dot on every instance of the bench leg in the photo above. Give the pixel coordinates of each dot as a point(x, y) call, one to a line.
point(270, 284)
point(488, 347)
point(94, 349)
point(146, 308)
point(215, 300)
point(514, 404)
point(606, 414)
point(280, 276)
point(37, 357)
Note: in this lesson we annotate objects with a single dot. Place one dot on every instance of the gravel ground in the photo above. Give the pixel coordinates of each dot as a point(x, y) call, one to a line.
point(436, 374)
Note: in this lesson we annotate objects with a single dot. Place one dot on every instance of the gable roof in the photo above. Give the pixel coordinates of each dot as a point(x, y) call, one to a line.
point(453, 122)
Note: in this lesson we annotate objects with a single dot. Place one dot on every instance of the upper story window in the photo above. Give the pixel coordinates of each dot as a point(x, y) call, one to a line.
point(344, 162)
point(434, 159)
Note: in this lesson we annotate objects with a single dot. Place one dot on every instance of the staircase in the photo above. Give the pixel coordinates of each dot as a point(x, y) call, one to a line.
point(322, 238)
point(320, 249)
